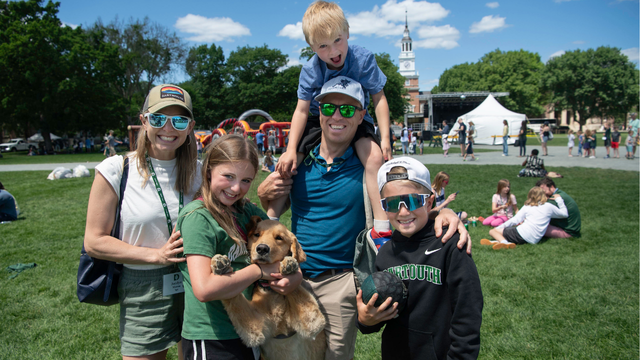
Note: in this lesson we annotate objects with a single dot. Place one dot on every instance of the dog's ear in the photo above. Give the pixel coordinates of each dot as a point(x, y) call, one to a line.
point(253, 223)
point(296, 250)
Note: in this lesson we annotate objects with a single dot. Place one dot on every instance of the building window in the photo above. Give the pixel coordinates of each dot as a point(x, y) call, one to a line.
point(407, 82)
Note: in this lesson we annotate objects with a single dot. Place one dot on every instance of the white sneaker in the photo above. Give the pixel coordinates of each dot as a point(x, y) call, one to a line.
point(592, 157)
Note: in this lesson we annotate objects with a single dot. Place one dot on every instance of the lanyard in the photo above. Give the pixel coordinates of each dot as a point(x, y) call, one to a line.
point(161, 196)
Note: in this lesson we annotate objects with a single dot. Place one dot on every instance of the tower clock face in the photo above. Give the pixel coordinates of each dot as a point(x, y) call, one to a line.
point(407, 64)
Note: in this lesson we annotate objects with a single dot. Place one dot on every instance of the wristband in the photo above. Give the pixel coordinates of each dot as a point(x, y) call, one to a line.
point(261, 272)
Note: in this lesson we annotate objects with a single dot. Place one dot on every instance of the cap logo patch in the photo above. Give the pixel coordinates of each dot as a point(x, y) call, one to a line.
point(342, 84)
point(172, 92)
point(393, 177)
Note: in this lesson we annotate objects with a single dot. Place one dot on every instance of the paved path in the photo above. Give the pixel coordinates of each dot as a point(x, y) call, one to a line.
point(558, 157)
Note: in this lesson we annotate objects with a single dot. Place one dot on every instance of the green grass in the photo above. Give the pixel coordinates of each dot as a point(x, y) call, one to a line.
point(21, 157)
point(561, 299)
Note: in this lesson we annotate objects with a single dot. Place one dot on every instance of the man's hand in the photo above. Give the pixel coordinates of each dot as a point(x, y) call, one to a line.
point(273, 187)
point(449, 218)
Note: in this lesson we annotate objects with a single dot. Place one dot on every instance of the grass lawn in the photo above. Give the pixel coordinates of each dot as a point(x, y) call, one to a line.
point(561, 299)
point(21, 157)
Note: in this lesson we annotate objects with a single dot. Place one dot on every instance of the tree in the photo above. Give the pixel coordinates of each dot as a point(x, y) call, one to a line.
point(601, 82)
point(52, 75)
point(205, 65)
point(257, 78)
point(306, 53)
point(518, 72)
point(148, 52)
point(394, 89)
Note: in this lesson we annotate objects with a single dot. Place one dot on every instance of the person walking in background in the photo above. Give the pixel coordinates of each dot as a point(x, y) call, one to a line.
point(607, 138)
point(88, 144)
point(593, 139)
point(163, 175)
point(112, 143)
point(580, 142)
point(571, 142)
point(544, 137)
point(271, 140)
point(404, 139)
point(522, 138)
point(445, 128)
point(445, 145)
point(615, 142)
point(472, 131)
point(587, 143)
point(634, 124)
point(469, 150)
point(630, 143)
point(462, 136)
point(505, 138)
point(260, 141)
point(199, 147)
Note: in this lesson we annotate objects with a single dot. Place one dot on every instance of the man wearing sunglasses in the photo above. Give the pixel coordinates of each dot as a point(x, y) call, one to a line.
point(328, 210)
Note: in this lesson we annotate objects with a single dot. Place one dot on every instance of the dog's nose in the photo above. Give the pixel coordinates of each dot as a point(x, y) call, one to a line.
point(262, 249)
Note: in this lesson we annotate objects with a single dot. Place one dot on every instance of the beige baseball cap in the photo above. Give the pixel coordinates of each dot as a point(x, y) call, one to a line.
point(165, 95)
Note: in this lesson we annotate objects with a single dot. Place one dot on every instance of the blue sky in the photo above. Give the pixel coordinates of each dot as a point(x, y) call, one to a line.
point(444, 33)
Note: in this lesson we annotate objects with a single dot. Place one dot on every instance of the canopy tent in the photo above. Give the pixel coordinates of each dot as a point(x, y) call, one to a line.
point(487, 118)
point(38, 137)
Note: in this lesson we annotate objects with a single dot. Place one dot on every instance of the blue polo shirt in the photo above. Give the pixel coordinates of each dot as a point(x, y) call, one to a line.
point(328, 211)
point(260, 138)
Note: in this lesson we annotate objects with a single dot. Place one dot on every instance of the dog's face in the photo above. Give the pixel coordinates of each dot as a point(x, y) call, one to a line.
point(270, 241)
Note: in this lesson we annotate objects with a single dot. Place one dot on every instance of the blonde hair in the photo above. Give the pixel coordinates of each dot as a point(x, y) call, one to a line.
point(501, 185)
point(186, 160)
point(323, 20)
point(437, 182)
point(536, 197)
point(587, 133)
point(227, 148)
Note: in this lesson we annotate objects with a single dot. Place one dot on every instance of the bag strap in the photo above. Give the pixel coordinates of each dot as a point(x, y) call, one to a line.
point(115, 230)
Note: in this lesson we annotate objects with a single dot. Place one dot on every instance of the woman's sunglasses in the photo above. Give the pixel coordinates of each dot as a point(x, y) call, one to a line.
point(346, 111)
point(179, 122)
point(410, 201)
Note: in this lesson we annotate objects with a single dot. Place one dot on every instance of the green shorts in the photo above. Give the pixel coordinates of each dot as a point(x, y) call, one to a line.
point(149, 321)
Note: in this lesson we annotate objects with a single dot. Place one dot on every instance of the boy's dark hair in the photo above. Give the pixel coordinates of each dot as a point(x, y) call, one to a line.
point(535, 152)
point(1, 186)
point(546, 181)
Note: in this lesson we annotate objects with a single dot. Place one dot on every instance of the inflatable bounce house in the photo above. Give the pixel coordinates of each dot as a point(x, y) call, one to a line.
point(242, 127)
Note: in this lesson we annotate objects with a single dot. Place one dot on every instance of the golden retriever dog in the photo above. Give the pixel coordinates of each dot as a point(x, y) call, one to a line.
point(284, 326)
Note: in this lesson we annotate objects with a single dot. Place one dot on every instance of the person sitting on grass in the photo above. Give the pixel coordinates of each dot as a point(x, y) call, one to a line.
point(533, 219)
point(269, 162)
point(534, 167)
point(443, 314)
point(561, 228)
point(8, 208)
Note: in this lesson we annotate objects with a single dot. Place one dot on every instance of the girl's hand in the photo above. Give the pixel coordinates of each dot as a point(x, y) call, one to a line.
point(451, 197)
point(369, 315)
point(168, 253)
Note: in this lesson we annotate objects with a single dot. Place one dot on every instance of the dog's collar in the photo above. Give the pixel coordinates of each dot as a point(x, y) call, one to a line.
point(284, 336)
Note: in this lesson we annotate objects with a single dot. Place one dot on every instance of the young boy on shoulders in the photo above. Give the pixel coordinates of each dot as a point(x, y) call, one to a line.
point(326, 30)
point(443, 313)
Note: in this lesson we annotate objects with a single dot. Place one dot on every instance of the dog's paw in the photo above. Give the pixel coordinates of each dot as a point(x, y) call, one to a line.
point(220, 264)
point(288, 265)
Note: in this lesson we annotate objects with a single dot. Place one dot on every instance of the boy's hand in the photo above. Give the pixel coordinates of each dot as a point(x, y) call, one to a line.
point(386, 151)
point(287, 164)
point(369, 315)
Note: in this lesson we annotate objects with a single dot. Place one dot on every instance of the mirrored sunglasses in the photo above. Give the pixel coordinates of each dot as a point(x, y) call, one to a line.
point(179, 122)
point(410, 201)
point(346, 111)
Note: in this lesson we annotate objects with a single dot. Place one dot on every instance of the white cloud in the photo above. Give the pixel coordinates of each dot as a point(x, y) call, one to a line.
point(292, 31)
point(211, 29)
point(632, 53)
point(290, 62)
point(436, 37)
point(492, 5)
point(488, 23)
point(383, 21)
point(556, 54)
point(65, 24)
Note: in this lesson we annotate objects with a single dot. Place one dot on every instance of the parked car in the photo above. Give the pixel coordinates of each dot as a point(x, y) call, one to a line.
point(15, 145)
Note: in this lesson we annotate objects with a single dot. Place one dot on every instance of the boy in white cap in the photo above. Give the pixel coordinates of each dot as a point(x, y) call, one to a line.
point(444, 308)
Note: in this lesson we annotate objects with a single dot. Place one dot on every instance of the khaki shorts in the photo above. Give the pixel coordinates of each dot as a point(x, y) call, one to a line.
point(149, 321)
point(337, 299)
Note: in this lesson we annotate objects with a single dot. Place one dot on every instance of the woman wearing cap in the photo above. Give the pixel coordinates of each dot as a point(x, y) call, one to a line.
point(163, 176)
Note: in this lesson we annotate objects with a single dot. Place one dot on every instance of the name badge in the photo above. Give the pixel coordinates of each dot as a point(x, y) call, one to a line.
point(172, 284)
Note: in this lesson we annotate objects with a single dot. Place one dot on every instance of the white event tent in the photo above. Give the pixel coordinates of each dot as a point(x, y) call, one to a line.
point(488, 118)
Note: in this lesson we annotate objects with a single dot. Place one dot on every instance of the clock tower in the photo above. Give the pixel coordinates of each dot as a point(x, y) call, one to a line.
point(407, 62)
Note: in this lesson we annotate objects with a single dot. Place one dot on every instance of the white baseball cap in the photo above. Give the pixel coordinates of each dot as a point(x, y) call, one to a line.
point(416, 172)
point(342, 85)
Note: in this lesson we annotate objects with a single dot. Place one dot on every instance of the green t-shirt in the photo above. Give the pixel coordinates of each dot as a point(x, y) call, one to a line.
point(203, 236)
point(571, 224)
